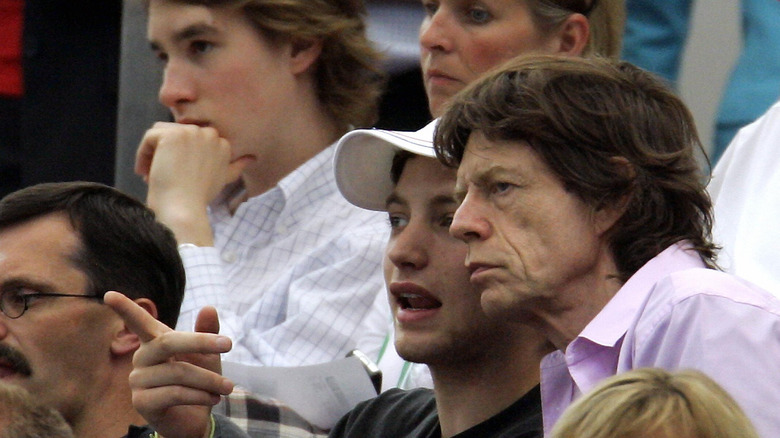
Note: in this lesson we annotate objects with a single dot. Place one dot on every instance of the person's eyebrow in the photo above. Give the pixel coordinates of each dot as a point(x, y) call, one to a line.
point(196, 30)
point(393, 198)
point(480, 178)
point(436, 201)
point(443, 200)
point(17, 282)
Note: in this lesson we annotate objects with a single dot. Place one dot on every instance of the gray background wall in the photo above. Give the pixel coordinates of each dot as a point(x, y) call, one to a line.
point(139, 78)
point(712, 49)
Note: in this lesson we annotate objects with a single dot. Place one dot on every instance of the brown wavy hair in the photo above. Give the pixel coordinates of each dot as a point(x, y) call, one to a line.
point(349, 76)
point(610, 131)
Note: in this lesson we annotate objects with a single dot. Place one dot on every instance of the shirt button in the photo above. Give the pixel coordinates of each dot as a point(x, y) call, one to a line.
point(229, 257)
point(281, 229)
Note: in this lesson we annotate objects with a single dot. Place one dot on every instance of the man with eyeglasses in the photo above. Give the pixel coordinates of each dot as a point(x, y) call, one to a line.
point(62, 246)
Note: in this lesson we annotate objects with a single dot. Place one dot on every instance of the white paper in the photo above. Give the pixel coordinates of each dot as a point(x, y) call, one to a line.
point(321, 394)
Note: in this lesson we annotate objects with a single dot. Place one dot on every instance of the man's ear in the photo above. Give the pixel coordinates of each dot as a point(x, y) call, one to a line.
point(608, 214)
point(125, 341)
point(572, 35)
point(303, 54)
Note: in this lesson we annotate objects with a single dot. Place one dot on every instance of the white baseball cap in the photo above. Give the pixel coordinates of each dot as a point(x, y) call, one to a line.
point(364, 157)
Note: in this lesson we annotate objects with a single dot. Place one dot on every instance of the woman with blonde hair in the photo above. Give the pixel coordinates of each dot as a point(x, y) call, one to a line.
point(654, 403)
point(459, 41)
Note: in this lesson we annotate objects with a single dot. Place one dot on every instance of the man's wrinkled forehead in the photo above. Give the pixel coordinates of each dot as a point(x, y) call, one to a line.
point(485, 160)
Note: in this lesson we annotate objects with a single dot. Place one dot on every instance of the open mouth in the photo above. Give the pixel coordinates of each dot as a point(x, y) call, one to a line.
point(417, 302)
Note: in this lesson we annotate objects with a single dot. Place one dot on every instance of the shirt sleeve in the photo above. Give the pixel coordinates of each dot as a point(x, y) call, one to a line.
point(206, 286)
point(655, 35)
point(309, 314)
point(736, 342)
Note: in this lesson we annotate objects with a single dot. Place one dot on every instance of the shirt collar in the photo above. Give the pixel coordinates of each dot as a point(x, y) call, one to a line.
point(296, 185)
point(614, 320)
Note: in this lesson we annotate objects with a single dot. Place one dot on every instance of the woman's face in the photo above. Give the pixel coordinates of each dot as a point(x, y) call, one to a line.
point(461, 39)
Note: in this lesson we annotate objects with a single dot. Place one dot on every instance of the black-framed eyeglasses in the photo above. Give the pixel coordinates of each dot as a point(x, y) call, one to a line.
point(14, 302)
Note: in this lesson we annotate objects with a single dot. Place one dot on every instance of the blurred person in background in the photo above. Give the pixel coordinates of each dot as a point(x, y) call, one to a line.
point(656, 33)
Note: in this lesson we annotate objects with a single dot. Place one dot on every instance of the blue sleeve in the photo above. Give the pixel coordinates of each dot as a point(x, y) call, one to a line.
point(655, 35)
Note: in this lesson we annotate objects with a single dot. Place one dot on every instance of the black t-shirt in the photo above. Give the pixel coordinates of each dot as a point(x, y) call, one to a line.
point(412, 414)
point(139, 432)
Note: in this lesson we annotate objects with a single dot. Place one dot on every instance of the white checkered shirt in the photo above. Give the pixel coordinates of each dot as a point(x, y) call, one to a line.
point(293, 272)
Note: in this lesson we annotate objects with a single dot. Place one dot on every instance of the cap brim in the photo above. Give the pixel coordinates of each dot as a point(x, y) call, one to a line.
point(364, 157)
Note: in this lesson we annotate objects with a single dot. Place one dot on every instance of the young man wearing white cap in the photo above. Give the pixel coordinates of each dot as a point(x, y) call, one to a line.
point(485, 371)
point(360, 159)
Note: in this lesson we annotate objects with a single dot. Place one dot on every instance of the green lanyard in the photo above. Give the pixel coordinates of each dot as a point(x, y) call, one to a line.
point(405, 370)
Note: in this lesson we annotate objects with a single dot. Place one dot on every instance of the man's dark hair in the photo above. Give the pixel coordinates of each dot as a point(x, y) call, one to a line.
point(399, 162)
point(123, 248)
point(610, 131)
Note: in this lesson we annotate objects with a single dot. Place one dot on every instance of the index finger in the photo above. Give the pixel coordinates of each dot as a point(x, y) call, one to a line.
point(145, 152)
point(138, 320)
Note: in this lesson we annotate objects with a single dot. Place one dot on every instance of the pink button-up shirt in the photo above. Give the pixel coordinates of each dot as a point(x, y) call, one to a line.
point(675, 314)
